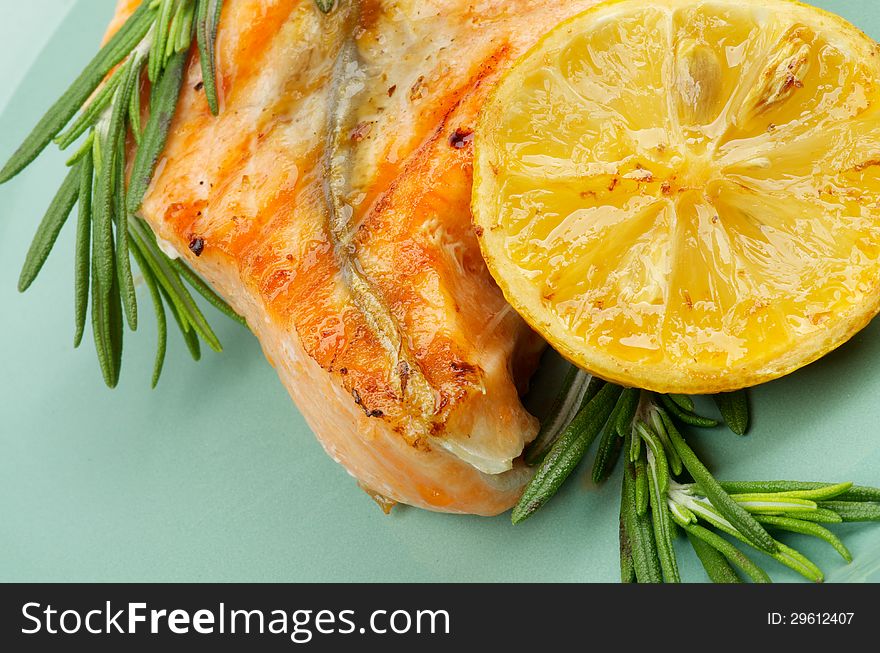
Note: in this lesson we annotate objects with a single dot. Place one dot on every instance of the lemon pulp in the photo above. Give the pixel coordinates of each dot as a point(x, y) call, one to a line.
point(683, 195)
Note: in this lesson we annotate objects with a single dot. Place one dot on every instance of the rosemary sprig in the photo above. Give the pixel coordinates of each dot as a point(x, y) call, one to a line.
point(100, 109)
point(115, 50)
point(656, 500)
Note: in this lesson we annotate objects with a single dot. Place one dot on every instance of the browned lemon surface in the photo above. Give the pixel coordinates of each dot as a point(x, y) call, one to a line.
point(683, 195)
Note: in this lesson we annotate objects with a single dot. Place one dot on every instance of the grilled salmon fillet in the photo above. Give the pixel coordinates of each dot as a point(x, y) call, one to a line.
point(329, 204)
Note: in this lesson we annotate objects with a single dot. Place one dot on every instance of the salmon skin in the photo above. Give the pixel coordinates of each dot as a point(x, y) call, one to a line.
point(329, 204)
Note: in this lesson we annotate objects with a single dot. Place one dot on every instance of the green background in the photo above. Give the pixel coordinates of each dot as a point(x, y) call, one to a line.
point(215, 475)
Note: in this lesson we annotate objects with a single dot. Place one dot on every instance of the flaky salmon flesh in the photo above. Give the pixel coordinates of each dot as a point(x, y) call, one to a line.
point(329, 204)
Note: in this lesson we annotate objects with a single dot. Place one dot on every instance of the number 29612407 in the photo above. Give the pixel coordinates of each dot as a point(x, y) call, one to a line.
point(810, 618)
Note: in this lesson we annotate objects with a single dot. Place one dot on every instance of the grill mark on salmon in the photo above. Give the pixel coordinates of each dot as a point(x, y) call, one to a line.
point(348, 87)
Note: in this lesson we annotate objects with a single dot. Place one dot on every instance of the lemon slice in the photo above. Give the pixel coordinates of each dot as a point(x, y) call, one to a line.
point(682, 195)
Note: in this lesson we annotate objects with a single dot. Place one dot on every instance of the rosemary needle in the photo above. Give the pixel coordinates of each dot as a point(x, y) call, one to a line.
point(734, 407)
point(159, 310)
point(627, 570)
point(854, 511)
point(181, 19)
point(799, 562)
point(101, 328)
point(629, 404)
point(660, 431)
point(716, 565)
point(47, 233)
point(635, 449)
point(607, 454)
point(643, 492)
point(729, 551)
point(115, 325)
point(123, 260)
point(82, 261)
point(184, 28)
point(134, 114)
point(820, 516)
point(860, 493)
point(611, 443)
point(853, 493)
point(86, 146)
point(207, 21)
point(189, 336)
point(656, 450)
point(684, 401)
point(807, 528)
point(640, 467)
point(687, 416)
point(772, 503)
point(566, 452)
point(102, 215)
point(816, 494)
point(160, 38)
point(658, 485)
point(163, 102)
point(618, 407)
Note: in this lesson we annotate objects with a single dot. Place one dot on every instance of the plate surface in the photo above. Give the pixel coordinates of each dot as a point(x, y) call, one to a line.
point(215, 476)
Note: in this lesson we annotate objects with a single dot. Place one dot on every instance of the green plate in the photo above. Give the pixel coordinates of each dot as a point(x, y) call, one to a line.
point(215, 475)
